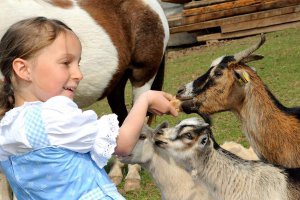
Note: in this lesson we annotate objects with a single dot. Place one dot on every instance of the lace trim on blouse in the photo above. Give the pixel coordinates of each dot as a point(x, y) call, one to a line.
point(106, 140)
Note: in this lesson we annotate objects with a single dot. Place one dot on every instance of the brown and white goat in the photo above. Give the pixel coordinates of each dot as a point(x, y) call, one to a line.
point(228, 177)
point(272, 129)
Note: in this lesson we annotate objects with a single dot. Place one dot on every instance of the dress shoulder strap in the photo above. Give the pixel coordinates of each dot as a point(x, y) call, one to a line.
point(35, 128)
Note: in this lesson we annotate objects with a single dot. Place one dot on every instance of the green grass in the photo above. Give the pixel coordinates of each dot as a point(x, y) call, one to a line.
point(280, 70)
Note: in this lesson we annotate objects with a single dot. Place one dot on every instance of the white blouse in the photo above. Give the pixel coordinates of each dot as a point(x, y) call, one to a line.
point(66, 126)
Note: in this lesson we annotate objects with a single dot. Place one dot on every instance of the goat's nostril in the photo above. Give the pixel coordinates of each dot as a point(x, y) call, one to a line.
point(181, 90)
point(159, 143)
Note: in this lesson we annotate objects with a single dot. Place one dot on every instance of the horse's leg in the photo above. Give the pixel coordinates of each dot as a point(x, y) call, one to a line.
point(133, 178)
point(116, 101)
point(115, 172)
point(116, 98)
point(155, 81)
point(158, 82)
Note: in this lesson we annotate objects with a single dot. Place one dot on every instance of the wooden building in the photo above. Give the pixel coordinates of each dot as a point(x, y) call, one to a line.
point(223, 19)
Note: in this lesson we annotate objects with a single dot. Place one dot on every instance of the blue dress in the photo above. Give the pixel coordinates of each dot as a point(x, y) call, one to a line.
point(53, 150)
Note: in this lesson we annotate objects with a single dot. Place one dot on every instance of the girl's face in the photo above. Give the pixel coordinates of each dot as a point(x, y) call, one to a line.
point(55, 69)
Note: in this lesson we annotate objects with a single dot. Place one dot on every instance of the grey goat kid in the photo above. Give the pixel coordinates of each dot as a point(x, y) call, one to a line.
point(173, 182)
point(227, 176)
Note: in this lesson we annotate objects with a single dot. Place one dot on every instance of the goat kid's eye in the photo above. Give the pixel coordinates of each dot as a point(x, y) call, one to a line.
point(142, 137)
point(160, 132)
point(188, 136)
point(203, 141)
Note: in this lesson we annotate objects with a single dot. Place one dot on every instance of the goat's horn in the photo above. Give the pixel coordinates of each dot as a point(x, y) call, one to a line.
point(244, 54)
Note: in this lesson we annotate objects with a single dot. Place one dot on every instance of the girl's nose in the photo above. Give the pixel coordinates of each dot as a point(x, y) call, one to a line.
point(76, 73)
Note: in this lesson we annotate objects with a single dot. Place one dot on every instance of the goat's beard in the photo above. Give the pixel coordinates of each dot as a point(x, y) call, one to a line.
point(190, 106)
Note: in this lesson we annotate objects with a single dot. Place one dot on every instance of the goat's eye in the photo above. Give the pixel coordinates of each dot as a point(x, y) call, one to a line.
point(218, 73)
point(160, 132)
point(188, 136)
point(142, 137)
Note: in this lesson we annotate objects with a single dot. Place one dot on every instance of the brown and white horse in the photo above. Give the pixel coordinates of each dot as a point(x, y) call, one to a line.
point(121, 40)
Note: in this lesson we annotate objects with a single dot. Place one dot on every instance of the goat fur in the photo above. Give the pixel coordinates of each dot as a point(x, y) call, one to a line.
point(272, 129)
point(227, 176)
point(173, 181)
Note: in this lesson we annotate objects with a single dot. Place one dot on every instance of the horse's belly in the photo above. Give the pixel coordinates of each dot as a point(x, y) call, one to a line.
point(99, 55)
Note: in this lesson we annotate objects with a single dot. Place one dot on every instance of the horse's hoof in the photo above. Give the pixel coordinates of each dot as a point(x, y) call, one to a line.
point(116, 180)
point(132, 184)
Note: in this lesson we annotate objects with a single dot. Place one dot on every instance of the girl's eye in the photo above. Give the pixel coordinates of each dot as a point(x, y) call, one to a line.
point(65, 61)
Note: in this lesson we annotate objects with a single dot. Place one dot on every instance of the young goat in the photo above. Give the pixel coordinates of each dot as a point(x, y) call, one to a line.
point(227, 176)
point(272, 129)
point(172, 181)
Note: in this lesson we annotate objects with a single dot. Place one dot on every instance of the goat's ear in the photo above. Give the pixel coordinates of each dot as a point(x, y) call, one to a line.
point(161, 126)
point(252, 57)
point(146, 131)
point(241, 76)
point(203, 139)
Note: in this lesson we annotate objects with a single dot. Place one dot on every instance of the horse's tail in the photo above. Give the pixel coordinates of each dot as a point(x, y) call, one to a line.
point(158, 82)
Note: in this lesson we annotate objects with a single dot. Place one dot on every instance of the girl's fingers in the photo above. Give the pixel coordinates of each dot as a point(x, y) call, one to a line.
point(156, 112)
point(168, 96)
point(163, 105)
point(173, 111)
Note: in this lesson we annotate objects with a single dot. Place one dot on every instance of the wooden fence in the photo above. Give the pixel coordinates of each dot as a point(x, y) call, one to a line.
point(222, 19)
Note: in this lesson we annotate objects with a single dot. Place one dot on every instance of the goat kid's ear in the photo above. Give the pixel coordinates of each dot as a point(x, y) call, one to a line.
point(241, 76)
point(161, 126)
point(203, 139)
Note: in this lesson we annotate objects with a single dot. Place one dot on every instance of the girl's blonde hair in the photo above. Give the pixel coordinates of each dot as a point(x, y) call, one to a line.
point(23, 40)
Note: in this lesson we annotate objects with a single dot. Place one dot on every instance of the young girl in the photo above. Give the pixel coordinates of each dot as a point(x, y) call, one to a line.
point(49, 148)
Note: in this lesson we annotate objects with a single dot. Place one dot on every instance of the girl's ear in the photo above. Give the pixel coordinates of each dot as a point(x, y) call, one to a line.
point(21, 69)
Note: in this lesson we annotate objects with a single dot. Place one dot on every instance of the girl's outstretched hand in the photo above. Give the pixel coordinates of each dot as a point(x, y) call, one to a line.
point(156, 102)
point(159, 103)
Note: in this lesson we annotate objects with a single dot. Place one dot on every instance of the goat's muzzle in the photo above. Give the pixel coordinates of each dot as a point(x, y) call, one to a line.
point(190, 106)
point(183, 95)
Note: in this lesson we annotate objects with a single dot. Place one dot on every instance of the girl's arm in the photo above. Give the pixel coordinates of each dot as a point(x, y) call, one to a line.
point(157, 102)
